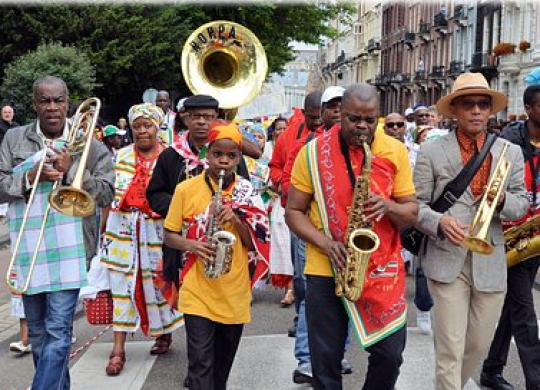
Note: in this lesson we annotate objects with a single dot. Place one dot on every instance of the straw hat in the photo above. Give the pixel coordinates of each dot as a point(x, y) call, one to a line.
point(471, 84)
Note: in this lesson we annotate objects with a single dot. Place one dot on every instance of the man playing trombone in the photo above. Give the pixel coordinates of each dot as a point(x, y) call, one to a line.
point(467, 287)
point(50, 288)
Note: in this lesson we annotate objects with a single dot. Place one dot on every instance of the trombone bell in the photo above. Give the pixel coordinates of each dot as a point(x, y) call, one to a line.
point(72, 201)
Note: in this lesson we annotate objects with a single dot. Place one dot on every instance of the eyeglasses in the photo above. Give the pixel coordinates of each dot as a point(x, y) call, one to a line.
point(370, 120)
point(469, 104)
point(394, 124)
point(196, 116)
point(423, 115)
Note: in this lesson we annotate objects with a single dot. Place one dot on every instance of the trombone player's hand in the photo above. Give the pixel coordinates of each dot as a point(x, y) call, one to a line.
point(48, 173)
point(62, 160)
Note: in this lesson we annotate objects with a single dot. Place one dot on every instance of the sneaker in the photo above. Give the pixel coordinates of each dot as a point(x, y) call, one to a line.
point(73, 339)
point(20, 348)
point(346, 367)
point(302, 374)
point(423, 321)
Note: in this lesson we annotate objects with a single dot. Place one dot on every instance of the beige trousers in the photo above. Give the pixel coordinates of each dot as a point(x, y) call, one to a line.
point(464, 321)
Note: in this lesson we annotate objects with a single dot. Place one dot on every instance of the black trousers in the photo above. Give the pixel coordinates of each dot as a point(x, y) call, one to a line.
point(328, 328)
point(518, 319)
point(211, 348)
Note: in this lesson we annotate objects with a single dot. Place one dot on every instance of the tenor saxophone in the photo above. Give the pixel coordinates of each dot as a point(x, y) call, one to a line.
point(522, 241)
point(360, 240)
point(222, 240)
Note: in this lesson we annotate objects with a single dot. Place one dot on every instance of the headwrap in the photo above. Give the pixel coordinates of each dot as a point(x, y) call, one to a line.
point(257, 128)
point(223, 130)
point(148, 111)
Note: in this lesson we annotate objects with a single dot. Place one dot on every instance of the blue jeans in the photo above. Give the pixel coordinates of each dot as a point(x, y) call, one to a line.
point(301, 344)
point(50, 318)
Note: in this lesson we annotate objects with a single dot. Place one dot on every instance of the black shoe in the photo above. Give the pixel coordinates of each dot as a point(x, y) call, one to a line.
point(302, 374)
point(186, 382)
point(495, 382)
point(292, 331)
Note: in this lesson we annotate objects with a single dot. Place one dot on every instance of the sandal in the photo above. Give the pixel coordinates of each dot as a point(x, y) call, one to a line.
point(288, 299)
point(116, 363)
point(162, 345)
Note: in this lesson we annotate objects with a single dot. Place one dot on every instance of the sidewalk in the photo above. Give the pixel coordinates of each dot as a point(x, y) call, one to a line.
point(4, 235)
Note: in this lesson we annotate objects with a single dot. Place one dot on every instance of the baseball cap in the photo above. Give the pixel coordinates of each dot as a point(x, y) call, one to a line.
point(332, 93)
point(180, 104)
point(112, 130)
point(409, 111)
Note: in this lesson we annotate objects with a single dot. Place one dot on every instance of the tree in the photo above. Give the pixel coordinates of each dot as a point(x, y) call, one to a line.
point(48, 59)
point(134, 47)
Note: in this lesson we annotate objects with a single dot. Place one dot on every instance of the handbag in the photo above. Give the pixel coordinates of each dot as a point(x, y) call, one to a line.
point(99, 310)
point(422, 297)
point(412, 238)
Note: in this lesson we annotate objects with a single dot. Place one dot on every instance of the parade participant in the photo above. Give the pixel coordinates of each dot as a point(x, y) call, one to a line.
point(330, 115)
point(258, 168)
point(166, 132)
point(68, 243)
point(467, 287)
point(112, 138)
point(435, 119)
point(337, 159)
point(128, 136)
point(215, 309)
point(394, 126)
point(518, 317)
point(184, 159)
point(131, 247)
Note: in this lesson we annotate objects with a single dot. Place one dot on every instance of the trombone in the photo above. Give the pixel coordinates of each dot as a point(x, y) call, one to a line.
point(70, 200)
point(476, 241)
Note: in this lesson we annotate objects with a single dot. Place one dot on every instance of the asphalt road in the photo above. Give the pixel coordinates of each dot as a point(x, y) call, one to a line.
point(265, 359)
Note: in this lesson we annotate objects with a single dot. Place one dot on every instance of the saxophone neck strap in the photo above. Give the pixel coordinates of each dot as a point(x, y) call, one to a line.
point(347, 156)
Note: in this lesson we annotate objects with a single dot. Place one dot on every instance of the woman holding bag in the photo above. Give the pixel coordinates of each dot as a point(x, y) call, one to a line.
point(132, 244)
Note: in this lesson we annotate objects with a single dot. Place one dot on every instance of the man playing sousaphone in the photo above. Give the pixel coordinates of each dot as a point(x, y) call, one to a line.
point(68, 242)
point(324, 175)
point(467, 287)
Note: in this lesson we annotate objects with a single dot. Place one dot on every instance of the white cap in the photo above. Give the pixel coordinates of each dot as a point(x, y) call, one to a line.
point(409, 111)
point(180, 104)
point(332, 93)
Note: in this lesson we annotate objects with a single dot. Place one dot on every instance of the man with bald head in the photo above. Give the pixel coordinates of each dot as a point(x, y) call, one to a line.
point(6, 121)
point(318, 207)
point(394, 126)
point(163, 101)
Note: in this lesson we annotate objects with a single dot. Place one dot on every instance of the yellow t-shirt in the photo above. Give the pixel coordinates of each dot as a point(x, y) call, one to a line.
point(226, 299)
point(383, 146)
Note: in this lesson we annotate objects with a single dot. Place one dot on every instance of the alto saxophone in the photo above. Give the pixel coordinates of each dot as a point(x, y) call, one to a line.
point(522, 241)
point(222, 240)
point(360, 240)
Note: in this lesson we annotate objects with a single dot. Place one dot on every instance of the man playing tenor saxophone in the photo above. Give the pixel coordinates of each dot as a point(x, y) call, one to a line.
point(518, 318)
point(467, 287)
point(321, 195)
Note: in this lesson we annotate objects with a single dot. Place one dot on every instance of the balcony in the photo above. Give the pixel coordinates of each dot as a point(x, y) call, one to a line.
point(409, 38)
point(440, 23)
point(459, 15)
point(513, 63)
point(456, 68)
point(437, 72)
point(379, 80)
point(423, 31)
point(420, 76)
point(485, 63)
point(373, 45)
point(399, 78)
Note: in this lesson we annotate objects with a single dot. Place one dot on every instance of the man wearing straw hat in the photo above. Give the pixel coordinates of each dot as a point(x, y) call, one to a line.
point(468, 288)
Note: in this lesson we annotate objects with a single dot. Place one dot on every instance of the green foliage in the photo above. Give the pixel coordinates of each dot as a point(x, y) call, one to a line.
point(52, 59)
point(134, 47)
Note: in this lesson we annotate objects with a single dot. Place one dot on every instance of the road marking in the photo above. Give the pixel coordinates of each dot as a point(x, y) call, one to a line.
point(89, 371)
point(264, 363)
point(418, 369)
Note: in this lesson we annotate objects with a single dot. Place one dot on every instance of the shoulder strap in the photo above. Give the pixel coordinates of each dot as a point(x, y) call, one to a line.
point(457, 187)
point(300, 129)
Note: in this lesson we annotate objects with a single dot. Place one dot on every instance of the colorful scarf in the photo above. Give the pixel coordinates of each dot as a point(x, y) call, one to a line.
point(381, 309)
point(192, 160)
point(249, 208)
point(147, 111)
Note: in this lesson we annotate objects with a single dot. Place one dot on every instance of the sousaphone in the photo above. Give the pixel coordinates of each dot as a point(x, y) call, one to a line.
point(226, 61)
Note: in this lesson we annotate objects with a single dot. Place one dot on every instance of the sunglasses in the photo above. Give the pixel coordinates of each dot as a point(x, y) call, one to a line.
point(469, 104)
point(394, 124)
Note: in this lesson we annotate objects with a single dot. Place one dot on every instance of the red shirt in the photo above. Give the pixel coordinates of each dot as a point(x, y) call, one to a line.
point(468, 146)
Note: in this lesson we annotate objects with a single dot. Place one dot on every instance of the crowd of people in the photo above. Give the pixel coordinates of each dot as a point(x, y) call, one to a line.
point(168, 182)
